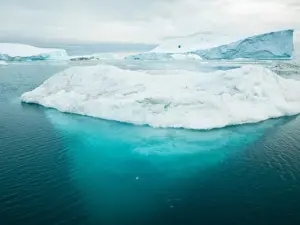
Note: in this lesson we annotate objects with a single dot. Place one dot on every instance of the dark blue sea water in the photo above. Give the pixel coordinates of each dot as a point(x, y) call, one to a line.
point(60, 168)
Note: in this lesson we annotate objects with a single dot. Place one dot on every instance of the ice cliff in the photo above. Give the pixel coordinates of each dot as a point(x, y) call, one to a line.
point(273, 45)
point(20, 52)
point(193, 100)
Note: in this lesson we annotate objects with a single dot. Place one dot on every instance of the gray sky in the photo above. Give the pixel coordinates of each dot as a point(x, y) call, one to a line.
point(143, 21)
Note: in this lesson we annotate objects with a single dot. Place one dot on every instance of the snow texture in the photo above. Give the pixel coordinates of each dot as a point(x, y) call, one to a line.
point(273, 45)
point(20, 52)
point(179, 99)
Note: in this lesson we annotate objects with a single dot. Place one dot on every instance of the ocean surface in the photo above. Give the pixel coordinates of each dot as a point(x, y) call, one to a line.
point(63, 169)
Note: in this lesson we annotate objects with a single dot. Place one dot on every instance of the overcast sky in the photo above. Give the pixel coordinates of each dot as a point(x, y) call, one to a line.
point(143, 21)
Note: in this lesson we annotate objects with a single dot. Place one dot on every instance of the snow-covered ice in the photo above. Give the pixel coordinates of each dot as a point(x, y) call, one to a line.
point(180, 99)
point(20, 52)
point(272, 45)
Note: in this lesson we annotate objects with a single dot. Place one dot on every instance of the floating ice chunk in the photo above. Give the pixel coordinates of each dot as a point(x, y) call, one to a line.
point(99, 56)
point(186, 99)
point(20, 52)
point(150, 56)
point(2, 63)
point(187, 56)
point(164, 56)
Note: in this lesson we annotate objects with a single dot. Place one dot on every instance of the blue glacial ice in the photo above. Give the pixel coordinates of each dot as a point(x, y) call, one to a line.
point(20, 52)
point(273, 45)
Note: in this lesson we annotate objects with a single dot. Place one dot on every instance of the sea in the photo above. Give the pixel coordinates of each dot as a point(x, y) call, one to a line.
point(64, 169)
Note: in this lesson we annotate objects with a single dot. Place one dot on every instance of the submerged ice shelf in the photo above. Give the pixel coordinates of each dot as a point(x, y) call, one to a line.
point(20, 52)
point(179, 99)
point(273, 45)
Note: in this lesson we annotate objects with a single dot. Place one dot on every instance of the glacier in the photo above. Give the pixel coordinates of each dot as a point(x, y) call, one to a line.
point(191, 100)
point(272, 45)
point(21, 52)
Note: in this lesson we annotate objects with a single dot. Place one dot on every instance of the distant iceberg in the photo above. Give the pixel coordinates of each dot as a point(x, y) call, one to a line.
point(164, 56)
point(99, 56)
point(273, 45)
point(20, 52)
point(192, 100)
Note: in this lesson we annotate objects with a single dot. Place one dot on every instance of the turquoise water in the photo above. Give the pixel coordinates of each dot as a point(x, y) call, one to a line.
point(64, 169)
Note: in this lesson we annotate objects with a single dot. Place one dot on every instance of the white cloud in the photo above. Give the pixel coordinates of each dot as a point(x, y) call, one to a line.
point(142, 20)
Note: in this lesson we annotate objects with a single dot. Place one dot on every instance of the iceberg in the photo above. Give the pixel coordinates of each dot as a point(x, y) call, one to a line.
point(20, 52)
point(99, 56)
point(191, 100)
point(164, 56)
point(2, 63)
point(273, 45)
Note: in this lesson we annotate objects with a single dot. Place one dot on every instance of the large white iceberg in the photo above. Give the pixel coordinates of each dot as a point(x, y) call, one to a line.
point(180, 99)
point(273, 45)
point(20, 52)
